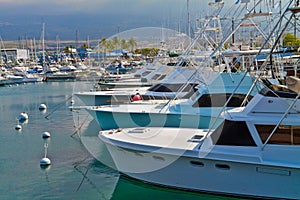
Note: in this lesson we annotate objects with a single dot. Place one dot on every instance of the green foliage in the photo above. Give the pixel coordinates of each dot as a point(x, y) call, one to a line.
point(291, 40)
point(147, 51)
point(132, 43)
point(85, 46)
point(68, 49)
point(115, 43)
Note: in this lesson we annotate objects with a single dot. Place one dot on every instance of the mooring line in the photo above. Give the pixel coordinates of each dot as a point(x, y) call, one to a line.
point(80, 126)
point(57, 107)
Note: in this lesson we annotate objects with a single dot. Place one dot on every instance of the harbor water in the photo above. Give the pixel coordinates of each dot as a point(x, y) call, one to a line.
point(73, 173)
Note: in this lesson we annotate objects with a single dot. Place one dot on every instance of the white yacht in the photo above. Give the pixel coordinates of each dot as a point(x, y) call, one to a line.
point(253, 153)
point(148, 77)
point(180, 79)
point(198, 111)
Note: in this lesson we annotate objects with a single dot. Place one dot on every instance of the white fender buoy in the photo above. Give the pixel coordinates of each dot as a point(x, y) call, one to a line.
point(72, 102)
point(45, 161)
point(42, 107)
point(23, 116)
point(18, 127)
point(46, 134)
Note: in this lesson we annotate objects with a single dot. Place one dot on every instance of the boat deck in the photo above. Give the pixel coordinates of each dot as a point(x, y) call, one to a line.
point(178, 138)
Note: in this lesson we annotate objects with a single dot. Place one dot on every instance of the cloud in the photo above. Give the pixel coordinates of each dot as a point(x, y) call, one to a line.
point(86, 6)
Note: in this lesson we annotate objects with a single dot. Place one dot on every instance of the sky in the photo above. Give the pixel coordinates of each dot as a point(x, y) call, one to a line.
point(71, 19)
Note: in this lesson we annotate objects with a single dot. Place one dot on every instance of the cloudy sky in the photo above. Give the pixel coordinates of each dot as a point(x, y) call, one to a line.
point(92, 18)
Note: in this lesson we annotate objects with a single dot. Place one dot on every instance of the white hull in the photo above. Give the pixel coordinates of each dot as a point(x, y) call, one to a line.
point(98, 150)
point(209, 175)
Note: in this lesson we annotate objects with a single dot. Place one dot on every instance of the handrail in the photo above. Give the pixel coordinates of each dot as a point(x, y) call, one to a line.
point(282, 118)
point(224, 107)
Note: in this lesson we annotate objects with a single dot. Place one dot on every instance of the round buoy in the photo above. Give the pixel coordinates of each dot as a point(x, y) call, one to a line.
point(72, 102)
point(46, 134)
point(23, 116)
point(45, 161)
point(42, 107)
point(137, 97)
point(18, 127)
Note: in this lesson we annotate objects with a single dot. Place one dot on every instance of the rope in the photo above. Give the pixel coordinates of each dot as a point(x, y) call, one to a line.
point(80, 126)
point(57, 107)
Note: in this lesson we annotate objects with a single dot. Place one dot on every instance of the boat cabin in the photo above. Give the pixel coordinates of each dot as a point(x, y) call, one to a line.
point(237, 133)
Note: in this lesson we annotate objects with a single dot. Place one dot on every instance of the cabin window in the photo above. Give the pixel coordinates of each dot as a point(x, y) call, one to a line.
point(162, 77)
point(146, 73)
point(233, 133)
point(218, 100)
point(155, 76)
point(286, 93)
point(285, 135)
point(167, 87)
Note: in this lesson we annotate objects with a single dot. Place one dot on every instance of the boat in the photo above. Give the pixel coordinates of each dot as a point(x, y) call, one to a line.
point(60, 76)
point(198, 111)
point(32, 78)
point(152, 75)
point(3, 81)
point(253, 153)
point(167, 88)
point(10, 79)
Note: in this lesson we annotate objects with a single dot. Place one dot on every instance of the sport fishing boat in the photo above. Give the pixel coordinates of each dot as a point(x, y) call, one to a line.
point(253, 153)
point(180, 79)
point(196, 112)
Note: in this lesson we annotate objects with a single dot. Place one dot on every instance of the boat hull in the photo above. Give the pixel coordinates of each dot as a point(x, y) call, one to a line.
point(207, 175)
point(97, 100)
point(112, 120)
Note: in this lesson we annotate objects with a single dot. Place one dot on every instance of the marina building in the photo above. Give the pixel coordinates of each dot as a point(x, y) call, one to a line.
point(14, 54)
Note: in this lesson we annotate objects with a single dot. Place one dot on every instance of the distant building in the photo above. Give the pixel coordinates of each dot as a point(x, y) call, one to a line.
point(14, 54)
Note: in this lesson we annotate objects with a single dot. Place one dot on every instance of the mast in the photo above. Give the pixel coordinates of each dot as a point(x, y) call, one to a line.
point(43, 46)
point(57, 48)
point(188, 18)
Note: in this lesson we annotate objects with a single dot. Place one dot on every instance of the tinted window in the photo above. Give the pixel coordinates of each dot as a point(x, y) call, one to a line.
point(146, 73)
point(234, 133)
point(275, 93)
point(286, 135)
point(162, 77)
point(155, 76)
point(218, 100)
point(169, 87)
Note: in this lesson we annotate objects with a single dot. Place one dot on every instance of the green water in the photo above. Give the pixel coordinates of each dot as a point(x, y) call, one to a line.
point(74, 173)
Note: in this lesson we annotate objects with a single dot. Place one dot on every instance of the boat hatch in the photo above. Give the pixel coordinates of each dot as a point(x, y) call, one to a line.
point(196, 138)
point(138, 130)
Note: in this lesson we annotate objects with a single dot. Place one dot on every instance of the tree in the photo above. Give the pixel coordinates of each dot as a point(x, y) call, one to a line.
point(132, 43)
point(68, 49)
point(115, 42)
point(85, 46)
point(124, 44)
point(147, 51)
point(103, 44)
point(291, 40)
point(110, 45)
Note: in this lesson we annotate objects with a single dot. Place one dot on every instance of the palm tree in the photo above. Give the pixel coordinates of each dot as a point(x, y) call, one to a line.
point(115, 42)
point(103, 44)
point(124, 44)
point(110, 45)
point(132, 43)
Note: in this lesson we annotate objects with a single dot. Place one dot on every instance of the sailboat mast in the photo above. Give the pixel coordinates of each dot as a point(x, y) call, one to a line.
point(188, 18)
point(43, 45)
